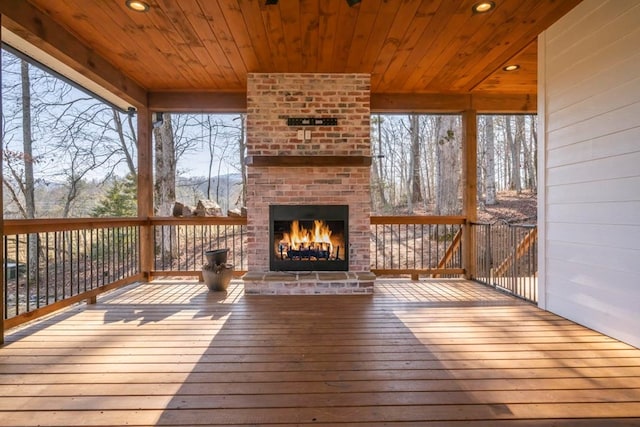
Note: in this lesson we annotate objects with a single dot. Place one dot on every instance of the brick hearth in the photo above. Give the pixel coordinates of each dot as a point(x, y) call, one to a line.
point(304, 283)
point(271, 100)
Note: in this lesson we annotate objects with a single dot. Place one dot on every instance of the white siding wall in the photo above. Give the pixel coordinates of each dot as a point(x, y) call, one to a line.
point(589, 98)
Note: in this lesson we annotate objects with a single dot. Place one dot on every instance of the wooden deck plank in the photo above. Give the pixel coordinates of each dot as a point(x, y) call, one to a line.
point(322, 414)
point(280, 398)
point(575, 387)
point(430, 353)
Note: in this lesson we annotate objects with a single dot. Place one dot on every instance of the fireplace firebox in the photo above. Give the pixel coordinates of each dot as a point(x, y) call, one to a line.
point(309, 237)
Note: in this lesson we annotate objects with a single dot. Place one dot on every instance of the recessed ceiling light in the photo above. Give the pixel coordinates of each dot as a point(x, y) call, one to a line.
point(137, 5)
point(512, 67)
point(483, 7)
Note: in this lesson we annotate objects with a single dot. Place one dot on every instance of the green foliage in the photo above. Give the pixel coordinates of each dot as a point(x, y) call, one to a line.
point(120, 200)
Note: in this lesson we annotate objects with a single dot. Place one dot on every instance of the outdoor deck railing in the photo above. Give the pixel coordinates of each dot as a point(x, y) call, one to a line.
point(52, 263)
point(417, 245)
point(506, 257)
point(180, 243)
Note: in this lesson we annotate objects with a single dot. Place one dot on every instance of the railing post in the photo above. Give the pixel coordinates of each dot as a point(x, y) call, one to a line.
point(145, 191)
point(470, 188)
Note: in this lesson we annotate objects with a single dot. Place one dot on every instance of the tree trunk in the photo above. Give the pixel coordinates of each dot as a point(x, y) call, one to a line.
point(243, 168)
point(123, 142)
point(212, 148)
point(378, 175)
point(509, 153)
point(448, 168)
point(490, 176)
point(517, 150)
point(534, 155)
point(165, 169)
point(29, 188)
point(416, 181)
point(165, 180)
point(376, 201)
point(29, 181)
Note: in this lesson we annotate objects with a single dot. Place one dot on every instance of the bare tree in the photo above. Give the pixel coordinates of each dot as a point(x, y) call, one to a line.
point(428, 135)
point(490, 161)
point(165, 167)
point(127, 152)
point(448, 167)
point(71, 136)
point(529, 153)
point(518, 143)
point(416, 182)
point(27, 140)
point(212, 136)
point(378, 199)
point(242, 149)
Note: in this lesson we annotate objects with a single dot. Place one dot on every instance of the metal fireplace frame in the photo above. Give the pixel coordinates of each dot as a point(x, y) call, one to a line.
point(308, 213)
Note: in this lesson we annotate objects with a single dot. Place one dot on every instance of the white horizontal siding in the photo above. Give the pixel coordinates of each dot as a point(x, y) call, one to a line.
point(617, 119)
point(608, 168)
point(584, 212)
point(590, 220)
point(595, 192)
point(596, 148)
point(578, 277)
point(579, 256)
point(611, 30)
point(604, 236)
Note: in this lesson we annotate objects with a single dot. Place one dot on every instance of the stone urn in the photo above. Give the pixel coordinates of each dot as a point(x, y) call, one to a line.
point(217, 277)
point(216, 273)
point(217, 256)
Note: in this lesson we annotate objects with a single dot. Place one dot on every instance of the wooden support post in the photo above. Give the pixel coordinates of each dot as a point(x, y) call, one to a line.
point(92, 299)
point(470, 188)
point(145, 190)
point(2, 254)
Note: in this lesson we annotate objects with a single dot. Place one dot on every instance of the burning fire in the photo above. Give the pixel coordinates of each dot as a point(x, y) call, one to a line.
point(300, 238)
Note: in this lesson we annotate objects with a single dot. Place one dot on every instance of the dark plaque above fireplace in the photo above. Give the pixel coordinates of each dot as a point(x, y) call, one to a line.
point(308, 237)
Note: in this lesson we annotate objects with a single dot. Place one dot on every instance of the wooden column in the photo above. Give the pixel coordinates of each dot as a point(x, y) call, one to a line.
point(470, 187)
point(2, 296)
point(145, 190)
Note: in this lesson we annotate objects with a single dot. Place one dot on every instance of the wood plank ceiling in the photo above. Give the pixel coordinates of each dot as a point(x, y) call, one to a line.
point(408, 46)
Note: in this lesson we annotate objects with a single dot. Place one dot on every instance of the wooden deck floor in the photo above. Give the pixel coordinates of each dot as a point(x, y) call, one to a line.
point(430, 353)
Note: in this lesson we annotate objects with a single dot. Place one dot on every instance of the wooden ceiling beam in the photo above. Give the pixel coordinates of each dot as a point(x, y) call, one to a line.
point(198, 102)
point(40, 30)
point(419, 103)
point(483, 103)
point(488, 103)
point(236, 102)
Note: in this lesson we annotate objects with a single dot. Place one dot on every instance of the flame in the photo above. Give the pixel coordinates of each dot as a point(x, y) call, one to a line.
point(301, 238)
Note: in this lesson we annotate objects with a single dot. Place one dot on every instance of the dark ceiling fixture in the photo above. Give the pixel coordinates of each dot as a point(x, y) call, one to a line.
point(352, 2)
point(270, 2)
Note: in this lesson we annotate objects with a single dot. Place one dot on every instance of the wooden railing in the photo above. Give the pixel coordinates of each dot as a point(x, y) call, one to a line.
point(180, 243)
point(53, 263)
point(416, 245)
point(505, 257)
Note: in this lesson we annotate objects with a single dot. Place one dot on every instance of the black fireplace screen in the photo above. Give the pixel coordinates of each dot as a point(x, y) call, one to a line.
point(308, 237)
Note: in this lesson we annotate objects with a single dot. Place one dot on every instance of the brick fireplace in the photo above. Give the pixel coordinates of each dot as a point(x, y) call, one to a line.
point(295, 163)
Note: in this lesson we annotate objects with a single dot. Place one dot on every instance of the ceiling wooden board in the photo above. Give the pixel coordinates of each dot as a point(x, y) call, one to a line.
point(408, 46)
point(518, 81)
